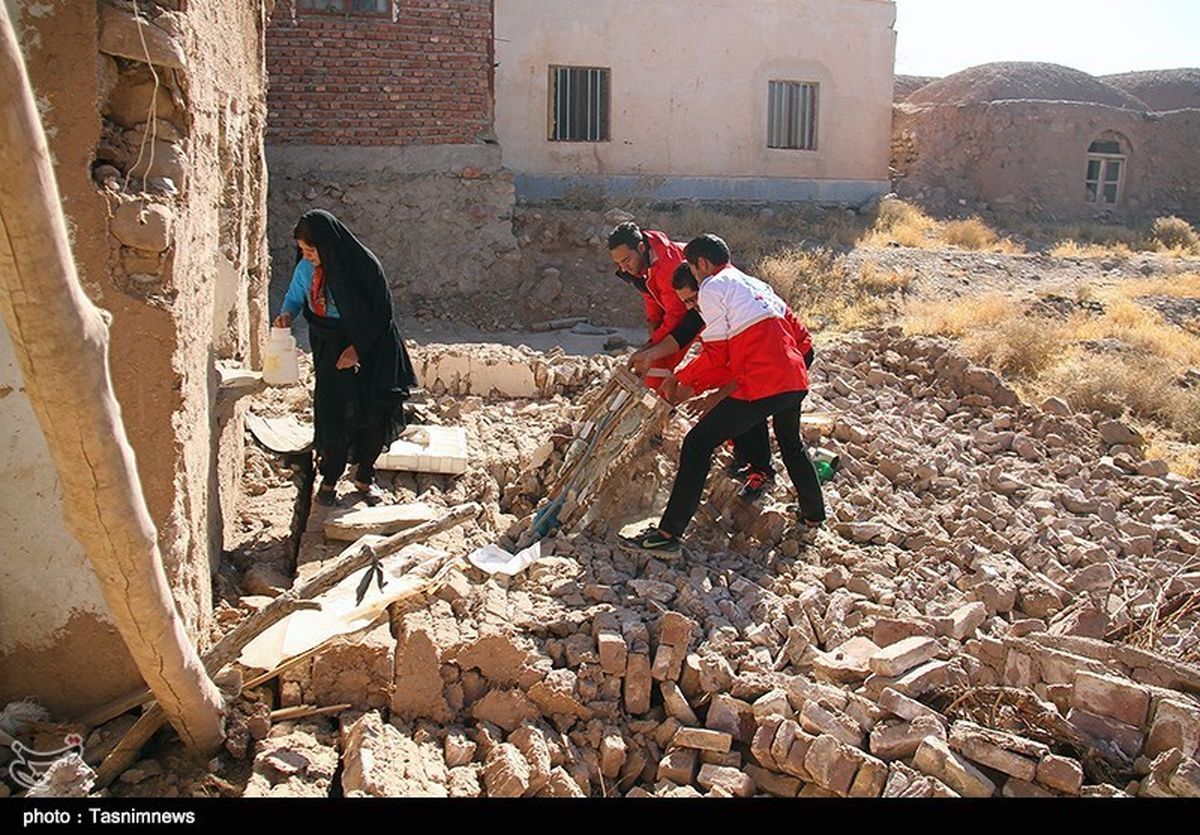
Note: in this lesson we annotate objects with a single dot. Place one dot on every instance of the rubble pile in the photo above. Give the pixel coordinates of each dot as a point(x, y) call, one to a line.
point(1005, 601)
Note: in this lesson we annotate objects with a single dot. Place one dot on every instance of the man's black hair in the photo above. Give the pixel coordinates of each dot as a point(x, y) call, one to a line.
point(707, 246)
point(683, 279)
point(626, 234)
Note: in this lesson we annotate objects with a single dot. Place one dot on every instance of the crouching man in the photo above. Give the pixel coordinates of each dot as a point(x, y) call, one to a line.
point(749, 350)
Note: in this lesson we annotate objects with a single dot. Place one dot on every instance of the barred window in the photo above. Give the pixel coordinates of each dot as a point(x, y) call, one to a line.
point(792, 115)
point(371, 8)
point(579, 103)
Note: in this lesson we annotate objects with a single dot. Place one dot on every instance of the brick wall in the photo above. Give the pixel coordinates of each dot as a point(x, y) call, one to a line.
point(424, 79)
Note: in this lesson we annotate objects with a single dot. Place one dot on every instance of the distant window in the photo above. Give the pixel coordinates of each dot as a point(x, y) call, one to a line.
point(1105, 172)
point(792, 115)
point(579, 102)
point(370, 8)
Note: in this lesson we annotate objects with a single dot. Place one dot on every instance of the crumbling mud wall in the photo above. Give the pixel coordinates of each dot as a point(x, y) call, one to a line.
point(155, 115)
point(988, 612)
point(386, 121)
point(1030, 157)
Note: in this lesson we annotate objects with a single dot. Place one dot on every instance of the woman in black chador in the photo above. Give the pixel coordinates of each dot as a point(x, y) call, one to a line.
point(363, 371)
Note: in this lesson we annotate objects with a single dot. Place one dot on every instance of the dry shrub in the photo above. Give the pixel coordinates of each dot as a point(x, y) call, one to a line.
point(971, 233)
point(880, 282)
point(899, 222)
point(1174, 233)
point(993, 331)
point(816, 284)
point(1145, 387)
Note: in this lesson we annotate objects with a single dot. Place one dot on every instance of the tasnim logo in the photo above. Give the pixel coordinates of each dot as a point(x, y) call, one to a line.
point(29, 766)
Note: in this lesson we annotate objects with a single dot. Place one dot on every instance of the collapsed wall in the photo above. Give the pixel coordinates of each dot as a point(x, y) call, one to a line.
point(999, 605)
point(155, 124)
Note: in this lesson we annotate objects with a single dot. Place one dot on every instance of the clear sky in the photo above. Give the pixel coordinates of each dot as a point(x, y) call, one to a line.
point(939, 37)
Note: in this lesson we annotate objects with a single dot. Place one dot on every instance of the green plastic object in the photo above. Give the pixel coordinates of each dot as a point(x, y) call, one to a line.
point(824, 471)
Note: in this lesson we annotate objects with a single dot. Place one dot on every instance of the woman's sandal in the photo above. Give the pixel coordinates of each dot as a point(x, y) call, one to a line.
point(371, 494)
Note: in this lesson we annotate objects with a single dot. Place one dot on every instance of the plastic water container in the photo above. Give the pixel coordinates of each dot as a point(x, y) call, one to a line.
point(280, 365)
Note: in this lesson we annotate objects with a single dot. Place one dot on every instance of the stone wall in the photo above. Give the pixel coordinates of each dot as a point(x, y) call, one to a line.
point(438, 217)
point(155, 127)
point(1030, 157)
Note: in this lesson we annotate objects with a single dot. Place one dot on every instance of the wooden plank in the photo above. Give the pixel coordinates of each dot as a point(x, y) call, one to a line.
point(383, 519)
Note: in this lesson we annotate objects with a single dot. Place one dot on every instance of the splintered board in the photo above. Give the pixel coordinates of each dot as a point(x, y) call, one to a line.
point(614, 430)
point(428, 449)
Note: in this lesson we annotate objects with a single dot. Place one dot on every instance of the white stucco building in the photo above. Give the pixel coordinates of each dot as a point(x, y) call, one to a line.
point(711, 99)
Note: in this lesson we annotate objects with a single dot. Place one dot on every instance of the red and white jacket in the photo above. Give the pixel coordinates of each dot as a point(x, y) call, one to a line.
point(750, 337)
point(664, 310)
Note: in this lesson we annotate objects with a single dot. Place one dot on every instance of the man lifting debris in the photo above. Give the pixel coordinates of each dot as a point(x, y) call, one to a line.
point(647, 260)
point(752, 359)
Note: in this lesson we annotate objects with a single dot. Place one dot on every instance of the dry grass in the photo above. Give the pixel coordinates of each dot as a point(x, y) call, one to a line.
point(993, 332)
point(1143, 387)
point(1140, 328)
point(1180, 286)
point(745, 234)
point(1074, 249)
point(883, 282)
point(898, 222)
point(1138, 377)
point(817, 284)
point(901, 223)
point(1166, 235)
point(971, 233)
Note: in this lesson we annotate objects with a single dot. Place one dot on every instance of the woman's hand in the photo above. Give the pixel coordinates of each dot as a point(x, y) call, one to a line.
point(348, 359)
point(283, 320)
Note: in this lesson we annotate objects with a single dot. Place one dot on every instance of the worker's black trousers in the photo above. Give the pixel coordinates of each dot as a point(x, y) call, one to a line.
point(753, 447)
point(729, 419)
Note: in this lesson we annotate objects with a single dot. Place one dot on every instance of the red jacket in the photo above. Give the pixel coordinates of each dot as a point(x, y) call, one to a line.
point(750, 337)
point(799, 333)
point(664, 310)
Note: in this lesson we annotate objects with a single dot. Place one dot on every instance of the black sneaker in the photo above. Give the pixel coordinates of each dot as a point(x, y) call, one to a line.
point(326, 498)
point(652, 540)
point(737, 469)
point(757, 484)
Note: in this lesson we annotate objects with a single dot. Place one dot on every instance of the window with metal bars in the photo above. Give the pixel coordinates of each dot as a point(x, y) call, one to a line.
point(792, 115)
point(367, 8)
point(579, 102)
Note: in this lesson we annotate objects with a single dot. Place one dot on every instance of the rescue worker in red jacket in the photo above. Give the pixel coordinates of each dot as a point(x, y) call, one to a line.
point(750, 351)
point(751, 459)
point(647, 261)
